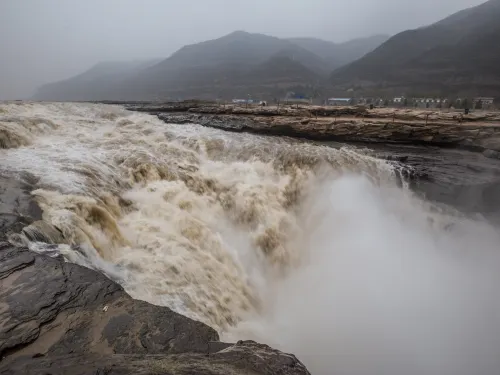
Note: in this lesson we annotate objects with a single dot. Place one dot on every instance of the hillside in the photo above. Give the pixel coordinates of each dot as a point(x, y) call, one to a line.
point(225, 67)
point(238, 64)
point(339, 54)
point(282, 69)
point(459, 55)
point(95, 83)
point(238, 47)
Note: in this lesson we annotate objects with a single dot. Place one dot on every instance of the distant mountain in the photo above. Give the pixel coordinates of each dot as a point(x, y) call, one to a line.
point(93, 84)
point(228, 66)
point(281, 68)
point(238, 47)
point(339, 54)
point(239, 63)
point(459, 55)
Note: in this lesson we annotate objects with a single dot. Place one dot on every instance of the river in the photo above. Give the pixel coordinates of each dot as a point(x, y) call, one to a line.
point(355, 263)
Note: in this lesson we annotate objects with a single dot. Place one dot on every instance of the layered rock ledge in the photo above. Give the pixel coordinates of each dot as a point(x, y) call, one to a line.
point(61, 318)
point(478, 131)
point(17, 208)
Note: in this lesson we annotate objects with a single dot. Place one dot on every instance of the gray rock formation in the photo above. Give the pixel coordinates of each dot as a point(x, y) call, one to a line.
point(17, 208)
point(478, 131)
point(491, 154)
point(61, 318)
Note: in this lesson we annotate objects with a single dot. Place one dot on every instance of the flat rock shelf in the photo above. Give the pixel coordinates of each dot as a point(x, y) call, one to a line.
point(477, 131)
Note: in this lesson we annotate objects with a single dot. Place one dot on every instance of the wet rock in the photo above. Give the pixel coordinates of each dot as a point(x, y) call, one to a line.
point(476, 132)
point(243, 358)
point(61, 318)
point(17, 207)
point(259, 358)
point(41, 231)
point(492, 154)
point(206, 107)
point(399, 158)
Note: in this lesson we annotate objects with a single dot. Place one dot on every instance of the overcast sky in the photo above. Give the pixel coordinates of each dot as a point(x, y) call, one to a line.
point(46, 40)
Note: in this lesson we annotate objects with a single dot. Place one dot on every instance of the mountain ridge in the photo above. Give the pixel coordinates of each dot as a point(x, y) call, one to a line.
point(233, 64)
point(341, 53)
point(94, 82)
point(457, 55)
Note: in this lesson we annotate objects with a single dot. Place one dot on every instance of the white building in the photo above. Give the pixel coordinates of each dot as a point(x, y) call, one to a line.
point(486, 102)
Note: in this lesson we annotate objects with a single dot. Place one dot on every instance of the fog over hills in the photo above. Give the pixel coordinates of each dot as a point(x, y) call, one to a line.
point(457, 55)
point(48, 41)
point(93, 83)
point(239, 63)
point(339, 54)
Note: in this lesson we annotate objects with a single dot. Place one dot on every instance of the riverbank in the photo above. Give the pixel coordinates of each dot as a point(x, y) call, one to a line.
point(477, 131)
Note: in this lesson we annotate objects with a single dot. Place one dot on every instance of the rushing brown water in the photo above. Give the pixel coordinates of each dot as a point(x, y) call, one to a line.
point(321, 251)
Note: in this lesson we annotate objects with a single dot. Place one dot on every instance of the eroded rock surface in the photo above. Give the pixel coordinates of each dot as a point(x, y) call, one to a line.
point(61, 318)
point(472, 135)
point(479, 131)
point(17, 207)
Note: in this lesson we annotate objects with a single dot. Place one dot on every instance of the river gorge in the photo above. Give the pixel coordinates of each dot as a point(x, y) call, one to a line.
point(362, 258)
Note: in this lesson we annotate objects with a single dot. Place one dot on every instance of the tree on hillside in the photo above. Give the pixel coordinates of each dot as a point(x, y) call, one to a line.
point(405, 103)
point(479, 104)
point(465, 103)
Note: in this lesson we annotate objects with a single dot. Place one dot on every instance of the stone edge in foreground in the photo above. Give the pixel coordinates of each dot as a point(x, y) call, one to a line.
point(61, 318)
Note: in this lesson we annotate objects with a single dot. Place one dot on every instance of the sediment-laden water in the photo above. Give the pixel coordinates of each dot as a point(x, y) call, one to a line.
point(322, 251)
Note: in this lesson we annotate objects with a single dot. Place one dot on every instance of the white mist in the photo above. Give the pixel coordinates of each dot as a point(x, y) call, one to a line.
point(387, 290)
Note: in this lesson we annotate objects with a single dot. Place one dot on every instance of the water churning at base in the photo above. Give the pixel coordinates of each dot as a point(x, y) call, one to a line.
point(313, 249)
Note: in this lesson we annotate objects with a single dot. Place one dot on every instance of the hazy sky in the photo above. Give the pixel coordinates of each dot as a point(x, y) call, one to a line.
point(46, 40)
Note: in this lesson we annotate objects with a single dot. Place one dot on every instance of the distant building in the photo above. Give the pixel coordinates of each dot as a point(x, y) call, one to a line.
point(483, 102)
point(339, 101)
point(399, 101)
point(428, 102)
